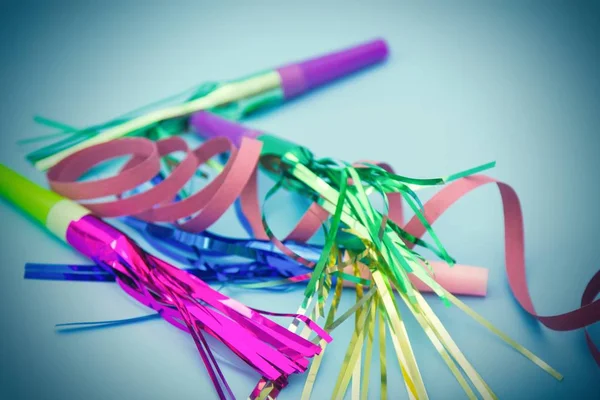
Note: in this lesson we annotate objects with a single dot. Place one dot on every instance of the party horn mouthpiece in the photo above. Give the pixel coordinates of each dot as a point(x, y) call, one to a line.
point(297, 78)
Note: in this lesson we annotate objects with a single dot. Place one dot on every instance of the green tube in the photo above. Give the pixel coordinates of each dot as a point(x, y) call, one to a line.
point(32, 199)
point(276, 146)
point(273, 150)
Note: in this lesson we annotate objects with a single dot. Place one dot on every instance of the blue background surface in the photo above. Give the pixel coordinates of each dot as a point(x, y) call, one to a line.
point(466, 83)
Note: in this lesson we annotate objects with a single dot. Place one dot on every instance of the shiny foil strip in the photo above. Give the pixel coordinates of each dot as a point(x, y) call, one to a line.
point(191, 305)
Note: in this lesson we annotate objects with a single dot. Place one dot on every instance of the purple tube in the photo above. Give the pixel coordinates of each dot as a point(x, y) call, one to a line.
point(296, 79)
point(300, 77)
point(209, 125)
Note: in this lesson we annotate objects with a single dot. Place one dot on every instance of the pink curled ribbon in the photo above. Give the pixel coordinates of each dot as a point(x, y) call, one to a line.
point(239, 179)
point(514, 249)
point(202, 209)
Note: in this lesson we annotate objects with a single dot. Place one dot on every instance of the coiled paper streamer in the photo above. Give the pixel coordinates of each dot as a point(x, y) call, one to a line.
point(238, 179)
point(514, 242)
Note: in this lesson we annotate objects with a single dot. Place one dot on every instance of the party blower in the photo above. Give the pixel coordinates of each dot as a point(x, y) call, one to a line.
point(460, 279)
point(382, 253)
point(182, 299)
point(232, 99)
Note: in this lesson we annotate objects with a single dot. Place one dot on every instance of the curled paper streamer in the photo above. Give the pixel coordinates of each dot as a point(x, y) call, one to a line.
point(201, 209)
point(179, 297)
point(514, 242)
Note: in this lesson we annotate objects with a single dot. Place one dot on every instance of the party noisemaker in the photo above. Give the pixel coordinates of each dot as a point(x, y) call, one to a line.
point(232, 99)
point(179, 297)
point(382, 253)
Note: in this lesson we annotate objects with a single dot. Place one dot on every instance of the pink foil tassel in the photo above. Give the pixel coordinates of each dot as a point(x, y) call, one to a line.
point(193, 306)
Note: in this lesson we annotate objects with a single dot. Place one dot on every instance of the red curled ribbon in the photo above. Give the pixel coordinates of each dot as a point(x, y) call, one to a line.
point(238, 179)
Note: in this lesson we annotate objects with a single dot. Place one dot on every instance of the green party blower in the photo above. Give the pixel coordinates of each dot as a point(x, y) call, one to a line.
point(47, 208)
point(179, 297)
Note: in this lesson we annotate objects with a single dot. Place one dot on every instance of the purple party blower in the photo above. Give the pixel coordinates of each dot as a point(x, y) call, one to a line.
point(232, 99)
point(209, 125)
point(300, 77)
point(296, 78)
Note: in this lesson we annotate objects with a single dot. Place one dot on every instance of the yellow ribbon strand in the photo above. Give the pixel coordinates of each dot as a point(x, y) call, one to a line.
point(404, 353)
point(429, 330)
point(351, 357)
point(356, 378)
point(453, 349)
point(227, 93)
point(382, 352)
point(528, 354)
point(368, 350)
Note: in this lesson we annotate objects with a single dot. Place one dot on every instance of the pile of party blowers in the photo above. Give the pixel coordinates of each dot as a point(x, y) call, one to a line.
point(370, 250)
